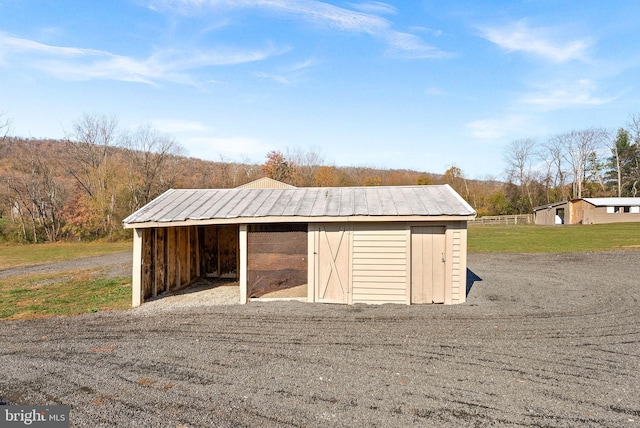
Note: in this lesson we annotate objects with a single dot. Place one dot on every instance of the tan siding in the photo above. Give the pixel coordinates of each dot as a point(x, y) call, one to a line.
point(379, 265)
point(456, 273)
point(601, 216)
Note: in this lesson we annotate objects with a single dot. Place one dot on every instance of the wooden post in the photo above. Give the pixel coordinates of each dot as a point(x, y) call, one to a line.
point(136, 276)
point(242, 274)
point(311, 266)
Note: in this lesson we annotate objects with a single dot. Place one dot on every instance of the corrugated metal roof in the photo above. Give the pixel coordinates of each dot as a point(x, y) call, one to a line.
point(614, 202)
point(178, 205)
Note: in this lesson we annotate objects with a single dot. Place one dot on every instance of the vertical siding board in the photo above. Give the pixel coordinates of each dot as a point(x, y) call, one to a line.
point(172, 260)
point(417, 275)
point(136, 271)
point(147, 261)
point(311, 272)
point(195, 255)
point(242, 270)
point(161, 260)
point(184, 256)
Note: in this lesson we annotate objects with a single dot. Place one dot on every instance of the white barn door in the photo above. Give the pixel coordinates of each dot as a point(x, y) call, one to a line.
point(428, 264)
point(332, 264)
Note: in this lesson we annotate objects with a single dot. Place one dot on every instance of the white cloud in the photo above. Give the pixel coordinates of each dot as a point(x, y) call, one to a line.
point(288, 75)
point(73, 63)
point(540, 41)
point(411, 46)
point(494, 129)
point(323, 14)
point(567, 94)
point(375, 7)
point(9, 44)
point(278, 78)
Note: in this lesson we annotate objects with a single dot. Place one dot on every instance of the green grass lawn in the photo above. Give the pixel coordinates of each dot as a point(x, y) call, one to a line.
point(554, 239)
point(66, 293)
point(32, 254)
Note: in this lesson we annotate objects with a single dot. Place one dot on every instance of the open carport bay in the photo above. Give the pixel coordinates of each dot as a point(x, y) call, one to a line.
point(544, 340)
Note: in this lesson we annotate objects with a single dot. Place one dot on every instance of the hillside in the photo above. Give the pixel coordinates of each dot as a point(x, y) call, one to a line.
point(55, 189)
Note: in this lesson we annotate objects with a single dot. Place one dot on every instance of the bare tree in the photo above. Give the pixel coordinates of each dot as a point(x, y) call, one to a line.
point(553, 155)
point(307, 164)
point(153, 164)
point(90, 150)
point(579, 150)
point(634, 174)
point(5, 126)
point(35, 193)
point(519, 156)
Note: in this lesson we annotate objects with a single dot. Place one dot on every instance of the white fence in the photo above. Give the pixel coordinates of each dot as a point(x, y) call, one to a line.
point(503, 219)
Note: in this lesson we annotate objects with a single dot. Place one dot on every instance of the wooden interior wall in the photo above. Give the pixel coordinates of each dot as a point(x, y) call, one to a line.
point(170, 259)
point(208, 236)
point(277, 257)
point(228, 256)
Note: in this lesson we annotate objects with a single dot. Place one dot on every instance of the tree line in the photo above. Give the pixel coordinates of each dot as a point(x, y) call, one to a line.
point(592, 162)
point(83, 186)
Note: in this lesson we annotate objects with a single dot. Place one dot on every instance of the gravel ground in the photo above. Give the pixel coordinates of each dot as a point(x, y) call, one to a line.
point(119, 264)
point(544, 340)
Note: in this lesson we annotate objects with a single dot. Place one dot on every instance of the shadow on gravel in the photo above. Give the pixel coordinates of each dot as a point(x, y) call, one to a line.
point(471, 279)
point(201, 284)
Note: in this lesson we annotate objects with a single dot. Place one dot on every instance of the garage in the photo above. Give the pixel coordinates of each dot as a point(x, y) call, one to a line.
point(345, 245)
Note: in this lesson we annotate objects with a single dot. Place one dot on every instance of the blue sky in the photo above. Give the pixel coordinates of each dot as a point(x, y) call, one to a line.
point(421, 85)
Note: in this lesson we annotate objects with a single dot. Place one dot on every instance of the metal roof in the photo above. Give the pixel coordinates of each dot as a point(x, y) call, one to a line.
point(180, 205)
point(613, 202)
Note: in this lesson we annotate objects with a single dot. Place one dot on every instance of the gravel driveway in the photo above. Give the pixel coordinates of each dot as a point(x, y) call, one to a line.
point(544, 340)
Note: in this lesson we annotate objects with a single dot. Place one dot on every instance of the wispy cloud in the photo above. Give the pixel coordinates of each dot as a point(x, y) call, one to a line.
point(288, 75)
point(363, 20)
point(493, 129)
point(538, 41)
point(375, 7)
point(72, 63)
point(563, 95)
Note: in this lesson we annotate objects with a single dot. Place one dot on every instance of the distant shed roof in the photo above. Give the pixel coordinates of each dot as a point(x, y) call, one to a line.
point(210, 206)
point(613, 202)
point(265, 183)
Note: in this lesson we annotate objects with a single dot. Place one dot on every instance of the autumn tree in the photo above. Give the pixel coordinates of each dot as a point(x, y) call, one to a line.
point(278, 167)
point(89, 148)
point(456, 179)
point(326, 176)
point(424, 180)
